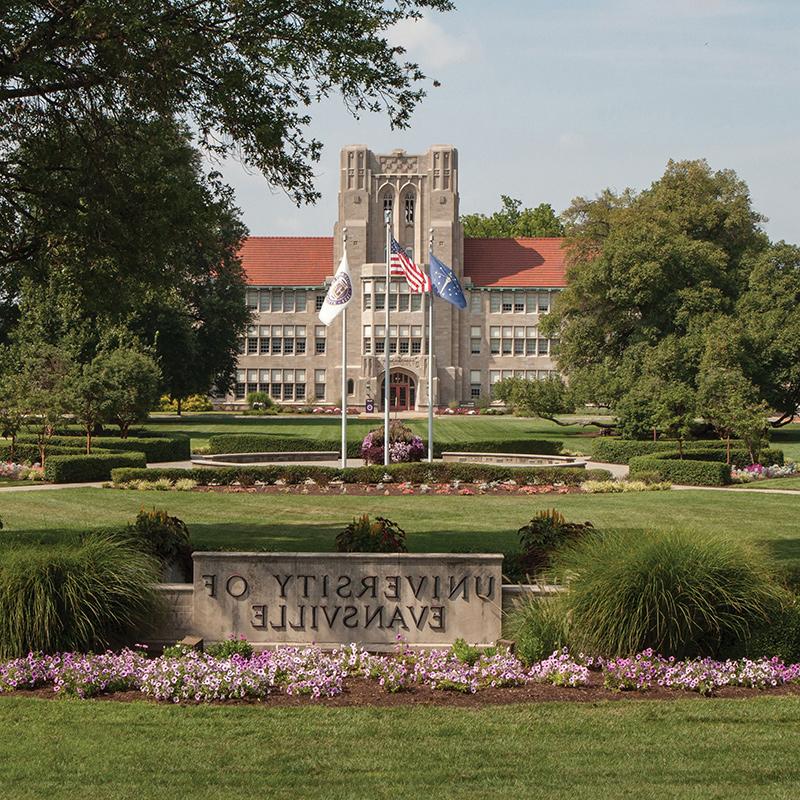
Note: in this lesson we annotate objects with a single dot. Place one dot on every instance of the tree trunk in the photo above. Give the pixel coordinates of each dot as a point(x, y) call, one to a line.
point(728, 449)
point(88, 440)
point(680, 447)
point(179, 406)
point(655, 435)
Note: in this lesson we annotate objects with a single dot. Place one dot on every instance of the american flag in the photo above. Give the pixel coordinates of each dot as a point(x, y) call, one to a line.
point(402, 266)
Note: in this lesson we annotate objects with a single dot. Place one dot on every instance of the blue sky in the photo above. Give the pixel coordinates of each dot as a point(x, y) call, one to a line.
point(549, 100)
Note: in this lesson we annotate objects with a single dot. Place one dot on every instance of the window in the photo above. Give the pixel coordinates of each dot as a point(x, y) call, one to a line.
point(544, 302)
point(416, 302)
point(264, 346)
point(252, 346)
point(319, 384)
point(367, 294)
point(475, 340)
point(277, 300)
point(388, 201)
point(318, 301)
point(288, 340)
point(416, 339)
point(380, 295)
point(519, 303)
point(494, 340)
point(403, 303)
point(475, 304)
point(474, 383)
point(288, 300)
point(239, 391)
point(408, 209)
point(252, 299)
point(300, 300)
point(351, 387)
point(495, 300)
point(543, 346)
point(240, 347)
point(263, 300)
point(300, 340)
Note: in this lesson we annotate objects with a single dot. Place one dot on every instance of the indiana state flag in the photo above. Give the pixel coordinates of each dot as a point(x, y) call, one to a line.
point(445, 283)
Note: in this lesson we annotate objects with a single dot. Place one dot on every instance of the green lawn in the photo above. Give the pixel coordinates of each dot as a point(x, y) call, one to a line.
point(201, 426)
point(788, 440)
point(690, 748)
point(434, 523)
point(772, 483)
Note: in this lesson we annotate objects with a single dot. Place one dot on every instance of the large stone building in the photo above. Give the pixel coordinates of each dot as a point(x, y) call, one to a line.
point(508, 283)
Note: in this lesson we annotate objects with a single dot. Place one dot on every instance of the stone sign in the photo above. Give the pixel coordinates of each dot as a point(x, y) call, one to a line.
point(332, 598)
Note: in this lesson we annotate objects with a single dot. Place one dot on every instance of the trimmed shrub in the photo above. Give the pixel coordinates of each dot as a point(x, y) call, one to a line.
point(155, 448)
point(74, 597)
point(421, 472)
point(363, 535)
point(26, 451)
point(621, 451)
point(687, 471)
point(232, 646)
point(267, 443)
point(83, 468)
point(679, 593)
point(539, 626)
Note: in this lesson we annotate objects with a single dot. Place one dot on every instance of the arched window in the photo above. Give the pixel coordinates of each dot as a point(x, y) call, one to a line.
point(350, 386)
point(408, 208)
point(388, 200)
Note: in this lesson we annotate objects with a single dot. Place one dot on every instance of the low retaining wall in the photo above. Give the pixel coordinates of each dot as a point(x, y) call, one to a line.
point(237, 459)
point(514, 459)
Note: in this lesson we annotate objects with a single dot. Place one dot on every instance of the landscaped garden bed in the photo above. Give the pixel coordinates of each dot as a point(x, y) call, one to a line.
point(351, 676)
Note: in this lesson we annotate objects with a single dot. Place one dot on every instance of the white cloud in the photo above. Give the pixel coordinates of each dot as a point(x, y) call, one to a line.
point(430, 44)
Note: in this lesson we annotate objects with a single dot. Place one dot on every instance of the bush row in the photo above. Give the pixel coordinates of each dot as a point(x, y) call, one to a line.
point(619, 451)
point(420, 472)
point(265, 443)
point(27, 451)
point(83, 468)
point(683, 471)
point(154, 448)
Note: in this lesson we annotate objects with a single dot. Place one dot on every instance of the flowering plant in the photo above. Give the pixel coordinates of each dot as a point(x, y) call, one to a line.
point(755, 472)
point(404, 445)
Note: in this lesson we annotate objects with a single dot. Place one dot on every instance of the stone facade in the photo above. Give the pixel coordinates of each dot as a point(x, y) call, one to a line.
point(288, 353)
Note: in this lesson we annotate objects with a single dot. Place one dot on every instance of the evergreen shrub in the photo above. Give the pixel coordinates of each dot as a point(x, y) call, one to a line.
point(84, 469)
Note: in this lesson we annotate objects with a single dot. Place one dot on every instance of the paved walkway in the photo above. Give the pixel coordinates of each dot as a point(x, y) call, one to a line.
point(43, 487)
point(616, 470)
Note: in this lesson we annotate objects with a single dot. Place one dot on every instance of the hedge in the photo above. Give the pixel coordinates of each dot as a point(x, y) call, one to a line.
point(265, 443)
point(161, 448)
point(620, 451)
point(420, 472)
point(682, 471)
point(26, 451)
point(83, 468)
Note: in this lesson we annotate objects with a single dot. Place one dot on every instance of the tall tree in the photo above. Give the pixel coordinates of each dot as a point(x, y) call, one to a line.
point(769, 316)
point(513, 220)
point(649, 273)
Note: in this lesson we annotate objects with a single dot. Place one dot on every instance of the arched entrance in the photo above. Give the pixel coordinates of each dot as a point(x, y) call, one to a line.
point(402, 391)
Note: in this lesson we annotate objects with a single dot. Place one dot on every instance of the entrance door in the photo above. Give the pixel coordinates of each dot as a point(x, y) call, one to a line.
point(402, 392)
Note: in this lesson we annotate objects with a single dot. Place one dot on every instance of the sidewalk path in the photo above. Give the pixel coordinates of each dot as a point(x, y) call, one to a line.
point(43, 487)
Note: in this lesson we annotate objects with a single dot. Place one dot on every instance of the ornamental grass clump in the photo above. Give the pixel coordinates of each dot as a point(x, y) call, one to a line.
point(679, 593)
point(74, 597)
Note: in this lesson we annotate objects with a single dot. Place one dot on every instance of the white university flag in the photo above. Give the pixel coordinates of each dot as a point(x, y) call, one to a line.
point(340, 293)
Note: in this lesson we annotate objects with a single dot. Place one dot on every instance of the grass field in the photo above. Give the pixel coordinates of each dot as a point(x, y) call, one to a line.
point(201, 426)
point(691, 748)
point(773, 483)
point(434, 523)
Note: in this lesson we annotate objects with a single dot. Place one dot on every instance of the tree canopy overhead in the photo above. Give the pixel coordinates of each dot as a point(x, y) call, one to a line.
point(513, 220)
point(243, 73)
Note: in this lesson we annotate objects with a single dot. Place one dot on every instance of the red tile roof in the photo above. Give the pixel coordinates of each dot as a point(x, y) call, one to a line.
point(308, 260)
point(287, 260)
point(515, 262)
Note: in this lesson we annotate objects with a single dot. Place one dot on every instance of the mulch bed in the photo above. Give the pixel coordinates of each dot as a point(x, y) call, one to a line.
point(358, 489)
point(360, 692)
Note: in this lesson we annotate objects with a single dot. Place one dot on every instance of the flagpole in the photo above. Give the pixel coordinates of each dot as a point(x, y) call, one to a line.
point(344, 367)
point(388, 220)
point(430, 352)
